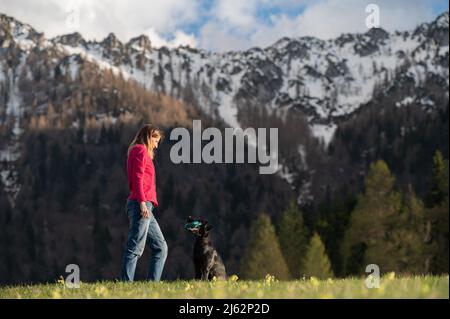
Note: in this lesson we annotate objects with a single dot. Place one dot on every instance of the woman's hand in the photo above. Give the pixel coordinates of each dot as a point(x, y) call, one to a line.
point(144, 210)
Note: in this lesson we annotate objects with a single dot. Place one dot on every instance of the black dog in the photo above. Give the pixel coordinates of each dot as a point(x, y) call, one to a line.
point(207, 261)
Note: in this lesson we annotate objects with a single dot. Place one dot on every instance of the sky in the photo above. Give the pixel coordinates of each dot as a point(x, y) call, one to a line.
point(217, 25)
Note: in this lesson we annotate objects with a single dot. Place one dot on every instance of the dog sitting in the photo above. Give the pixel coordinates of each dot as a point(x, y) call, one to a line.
point(207, 261)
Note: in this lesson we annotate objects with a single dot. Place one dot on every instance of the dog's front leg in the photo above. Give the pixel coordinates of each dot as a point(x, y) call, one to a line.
point(209, 265)
point(204, 273)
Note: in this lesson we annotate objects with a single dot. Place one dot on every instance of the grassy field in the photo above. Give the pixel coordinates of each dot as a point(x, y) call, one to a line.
point(390, 287)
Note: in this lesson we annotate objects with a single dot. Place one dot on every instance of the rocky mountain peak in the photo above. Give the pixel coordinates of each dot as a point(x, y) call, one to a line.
point(72, 39)
point(442, 20)
point(14, 30)
point(111, 42)
point(438, 30)
point(378, 34)
point(6, 22)
point(140, 43)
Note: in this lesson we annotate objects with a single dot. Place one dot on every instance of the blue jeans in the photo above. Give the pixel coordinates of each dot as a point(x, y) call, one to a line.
point(143, 230)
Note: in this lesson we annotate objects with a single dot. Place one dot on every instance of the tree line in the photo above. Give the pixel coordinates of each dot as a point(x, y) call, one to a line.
point(393, 229)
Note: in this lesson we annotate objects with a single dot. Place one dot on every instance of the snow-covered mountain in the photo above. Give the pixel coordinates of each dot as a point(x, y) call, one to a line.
point(325, 80)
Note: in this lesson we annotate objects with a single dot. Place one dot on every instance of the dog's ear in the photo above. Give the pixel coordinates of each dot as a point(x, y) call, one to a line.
point(208, 227)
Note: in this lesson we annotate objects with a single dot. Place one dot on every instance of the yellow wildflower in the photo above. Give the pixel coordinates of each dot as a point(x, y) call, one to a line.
point(61, 280)
point(101, 291)
point(313, 280)
point(56, 294)
point(390, 275)
point(269, 279)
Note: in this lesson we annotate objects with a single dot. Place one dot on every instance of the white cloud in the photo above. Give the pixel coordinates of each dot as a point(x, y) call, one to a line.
point(236, 13)
point(330, 18)
point(243, 13)
point(97, 18)
point(215, 37)
point(180, 38)
point(322, 18)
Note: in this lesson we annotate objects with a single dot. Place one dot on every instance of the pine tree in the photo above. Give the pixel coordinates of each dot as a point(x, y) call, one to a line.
point(437, 250)
point(410, 234)
point(317, 264)
point(293, 239)
point(370, 238)
point(263, 254)
point(332, 225)
point(438, 191)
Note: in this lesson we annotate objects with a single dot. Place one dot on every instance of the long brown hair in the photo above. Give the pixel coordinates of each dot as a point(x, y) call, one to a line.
point(144, 136)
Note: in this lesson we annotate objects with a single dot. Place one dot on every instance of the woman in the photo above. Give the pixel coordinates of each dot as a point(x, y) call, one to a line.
point(140, 204)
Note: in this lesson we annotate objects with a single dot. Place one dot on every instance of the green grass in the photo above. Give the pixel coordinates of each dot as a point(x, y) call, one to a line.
point(391, 287)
